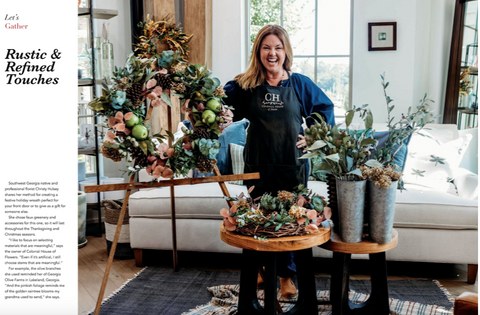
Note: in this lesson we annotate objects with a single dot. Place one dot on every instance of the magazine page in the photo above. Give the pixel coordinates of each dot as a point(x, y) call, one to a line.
point(38, 180)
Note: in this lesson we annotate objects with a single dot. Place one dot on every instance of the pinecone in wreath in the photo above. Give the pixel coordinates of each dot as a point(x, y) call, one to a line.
point(111, 153)
point(163, 81)
point(201, 133)
point(205, 165)
point(134, 94)
point(139, 157)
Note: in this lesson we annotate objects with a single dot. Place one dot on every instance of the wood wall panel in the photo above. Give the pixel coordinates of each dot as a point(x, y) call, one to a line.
point(158, 9)
point(198, 21)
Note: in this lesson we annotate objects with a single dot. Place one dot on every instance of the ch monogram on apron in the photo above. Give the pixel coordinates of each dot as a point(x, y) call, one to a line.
point(275, 122)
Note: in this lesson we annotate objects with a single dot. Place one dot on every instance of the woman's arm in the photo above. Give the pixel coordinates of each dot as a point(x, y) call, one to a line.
point(238, 98)
point(312, 99)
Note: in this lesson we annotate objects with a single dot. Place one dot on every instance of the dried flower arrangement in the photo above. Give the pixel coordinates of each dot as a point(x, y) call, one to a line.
point(165, 31)
point(465, 83)
point(287, 214)
point(381, 176)
point(124, 104)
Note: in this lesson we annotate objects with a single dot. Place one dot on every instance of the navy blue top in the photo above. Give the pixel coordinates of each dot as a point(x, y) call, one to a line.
point(311, 98)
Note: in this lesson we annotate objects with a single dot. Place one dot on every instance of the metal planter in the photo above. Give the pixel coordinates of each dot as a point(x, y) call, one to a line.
point(382, 210)
point(351, 204)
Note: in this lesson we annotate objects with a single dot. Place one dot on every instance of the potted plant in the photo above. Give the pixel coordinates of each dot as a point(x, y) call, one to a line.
point(384, 175)
point(342, 152)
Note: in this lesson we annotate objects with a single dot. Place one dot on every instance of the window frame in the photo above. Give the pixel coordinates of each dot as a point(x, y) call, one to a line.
point(316, 56)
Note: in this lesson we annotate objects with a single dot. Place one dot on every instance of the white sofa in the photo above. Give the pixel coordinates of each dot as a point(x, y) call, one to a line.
point(433, 225)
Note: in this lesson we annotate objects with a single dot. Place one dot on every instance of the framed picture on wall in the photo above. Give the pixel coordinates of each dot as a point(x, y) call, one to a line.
point(382, 36)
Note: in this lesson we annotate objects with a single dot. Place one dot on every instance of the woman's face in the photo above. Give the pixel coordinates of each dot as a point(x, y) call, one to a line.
point(272, 54)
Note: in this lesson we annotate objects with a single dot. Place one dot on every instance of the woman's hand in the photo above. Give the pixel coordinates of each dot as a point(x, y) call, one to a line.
point(302, 143)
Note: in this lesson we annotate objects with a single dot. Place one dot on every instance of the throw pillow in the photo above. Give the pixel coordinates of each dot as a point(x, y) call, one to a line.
point(401, 156)
point(432, 163)
point(235, 133)
point(238, 164)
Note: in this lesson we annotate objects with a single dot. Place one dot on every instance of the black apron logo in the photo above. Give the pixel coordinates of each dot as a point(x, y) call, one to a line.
point(272, 102)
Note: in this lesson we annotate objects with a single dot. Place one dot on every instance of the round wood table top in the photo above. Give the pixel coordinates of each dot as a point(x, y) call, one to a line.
point(279, 244)
point(364, 247)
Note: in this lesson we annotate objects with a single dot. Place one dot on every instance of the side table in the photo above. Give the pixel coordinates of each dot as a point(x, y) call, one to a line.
point(378, 303)
point(258, 251)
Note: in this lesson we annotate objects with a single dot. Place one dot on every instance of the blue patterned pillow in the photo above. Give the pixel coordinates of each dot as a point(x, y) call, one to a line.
point(235, 133)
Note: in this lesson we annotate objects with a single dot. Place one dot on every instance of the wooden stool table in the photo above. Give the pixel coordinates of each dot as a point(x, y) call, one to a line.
point(257, 251)
point(378, 303)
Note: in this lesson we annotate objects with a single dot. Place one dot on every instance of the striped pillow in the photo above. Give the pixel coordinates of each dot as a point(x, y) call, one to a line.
point(236, 153)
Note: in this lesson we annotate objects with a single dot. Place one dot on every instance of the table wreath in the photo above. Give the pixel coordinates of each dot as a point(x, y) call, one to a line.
point(286, 214)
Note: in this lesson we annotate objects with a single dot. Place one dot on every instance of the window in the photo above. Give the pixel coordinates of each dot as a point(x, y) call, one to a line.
point(320, 34)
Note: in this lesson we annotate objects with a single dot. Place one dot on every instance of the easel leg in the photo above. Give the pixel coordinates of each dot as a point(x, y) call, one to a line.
point(223, 187)
point(113, 249)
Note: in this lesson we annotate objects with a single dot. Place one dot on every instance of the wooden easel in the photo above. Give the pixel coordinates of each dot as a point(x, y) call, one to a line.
point(218, 178)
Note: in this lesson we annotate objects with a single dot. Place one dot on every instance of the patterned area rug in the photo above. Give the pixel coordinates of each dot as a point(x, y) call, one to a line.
point(157, 290)
point(225, 299)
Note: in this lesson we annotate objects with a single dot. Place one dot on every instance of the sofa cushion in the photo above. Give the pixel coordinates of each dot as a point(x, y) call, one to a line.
point(417, 207)
point(433, 163)
point(238, 164)
point(201, 201)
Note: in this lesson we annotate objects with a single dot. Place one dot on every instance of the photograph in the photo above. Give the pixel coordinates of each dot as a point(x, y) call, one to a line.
point(240, 157)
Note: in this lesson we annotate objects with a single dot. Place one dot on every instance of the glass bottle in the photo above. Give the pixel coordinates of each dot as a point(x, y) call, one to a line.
point(107, 60)
point(98, 58)
point(85, 63)
point(87, 142)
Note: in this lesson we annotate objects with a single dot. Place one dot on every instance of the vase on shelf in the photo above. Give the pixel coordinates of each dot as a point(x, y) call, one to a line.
point(107, 55)
point(85, 64)
point(97, 54)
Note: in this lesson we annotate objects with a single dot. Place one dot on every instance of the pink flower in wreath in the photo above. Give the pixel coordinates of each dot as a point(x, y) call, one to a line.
point(152, 96)
point(158, 90)
point(229, 226)
point(128, 116)
point(127, 131)
point(312, 214)
point(157, 172)
point(120, 127)
point(163, 71)
point(300, 221)
point(119, 117)
point(327, 212)
point(151, 83)
point(224, 212)
point(167, 173)
point(111, 121)
point(311, 228)
point(110, 136)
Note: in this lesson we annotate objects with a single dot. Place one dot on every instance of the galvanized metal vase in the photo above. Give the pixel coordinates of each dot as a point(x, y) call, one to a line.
point(382, 210)
point(351, 204)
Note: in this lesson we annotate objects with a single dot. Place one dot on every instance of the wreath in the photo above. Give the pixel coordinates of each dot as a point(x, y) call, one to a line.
point(155, 80)
point(287, 214)
point(166, 32)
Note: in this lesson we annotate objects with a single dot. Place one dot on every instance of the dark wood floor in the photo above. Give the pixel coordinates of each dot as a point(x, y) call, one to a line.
point(92, 261)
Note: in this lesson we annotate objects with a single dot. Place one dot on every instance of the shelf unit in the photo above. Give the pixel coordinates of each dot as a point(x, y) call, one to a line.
point(93, 13)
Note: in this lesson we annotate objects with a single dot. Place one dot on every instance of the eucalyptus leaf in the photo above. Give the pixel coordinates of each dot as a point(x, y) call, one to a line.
point(333, 157)
point(373, 163)
point(166, 98)
point(317, 145)
point(368, 141)
point(308, 155)
point(349, 118)
point(369, 120)
point(357, 172)
point(150, 75)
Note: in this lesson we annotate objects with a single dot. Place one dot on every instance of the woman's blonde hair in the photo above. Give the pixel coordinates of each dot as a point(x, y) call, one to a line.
point(255, 74)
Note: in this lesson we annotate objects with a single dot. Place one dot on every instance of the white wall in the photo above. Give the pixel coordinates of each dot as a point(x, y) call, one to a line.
point(418, 66)
point(228, 39)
